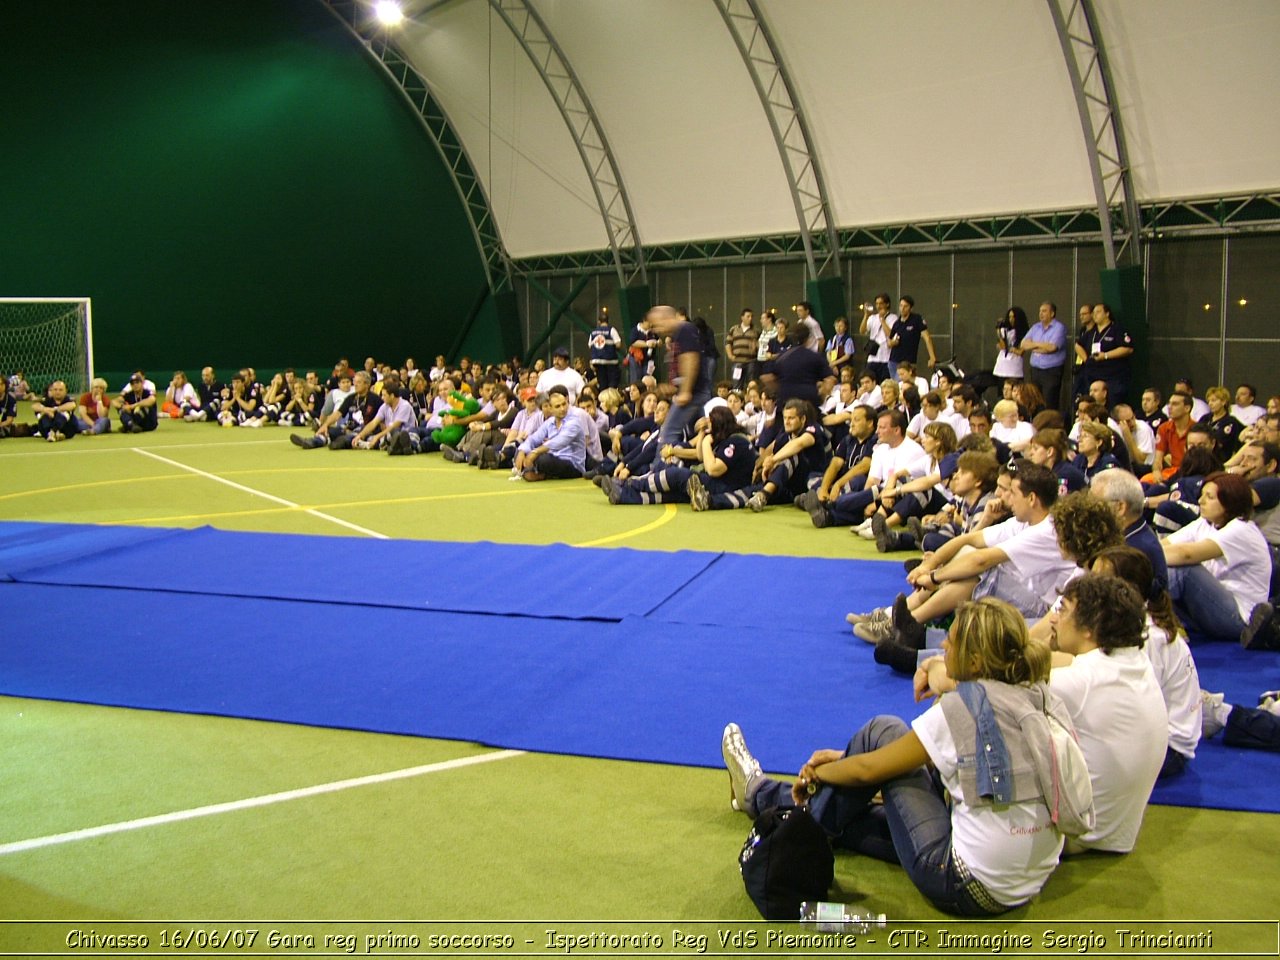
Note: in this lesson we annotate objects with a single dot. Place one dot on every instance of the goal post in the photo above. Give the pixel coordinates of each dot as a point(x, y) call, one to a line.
point(48, 338)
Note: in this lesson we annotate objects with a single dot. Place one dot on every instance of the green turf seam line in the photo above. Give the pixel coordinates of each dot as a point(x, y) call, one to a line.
point(35, 843)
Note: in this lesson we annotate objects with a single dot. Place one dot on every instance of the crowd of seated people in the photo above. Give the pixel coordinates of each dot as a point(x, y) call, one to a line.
point(1082, 555)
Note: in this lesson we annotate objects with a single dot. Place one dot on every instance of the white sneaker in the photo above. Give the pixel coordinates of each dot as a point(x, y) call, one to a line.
point(201, 415)
point(190, 416)
point(866, 530)
point(744, 770)
point(1213, 714)
point(254, 422)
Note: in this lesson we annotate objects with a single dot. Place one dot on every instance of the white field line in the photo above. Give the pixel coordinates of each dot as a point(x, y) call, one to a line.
point(18, 846)
point(266, 496)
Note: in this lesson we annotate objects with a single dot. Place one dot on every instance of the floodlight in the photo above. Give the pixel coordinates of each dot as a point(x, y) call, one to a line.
point(388, 12)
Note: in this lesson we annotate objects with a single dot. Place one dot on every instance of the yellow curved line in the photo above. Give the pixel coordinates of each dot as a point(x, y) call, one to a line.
point(668, 513)
point(97, 483)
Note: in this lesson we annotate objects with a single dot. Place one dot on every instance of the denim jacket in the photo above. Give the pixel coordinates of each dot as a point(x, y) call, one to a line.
point(1002, 738)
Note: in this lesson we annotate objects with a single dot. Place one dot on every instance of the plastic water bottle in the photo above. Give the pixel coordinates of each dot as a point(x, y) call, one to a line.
point(837, 918)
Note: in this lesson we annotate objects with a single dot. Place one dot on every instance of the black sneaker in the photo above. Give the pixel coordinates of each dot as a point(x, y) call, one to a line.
point(897, 656)
point(307, 443)
point(819, 513)
point(1261, 632)
point(911, 634)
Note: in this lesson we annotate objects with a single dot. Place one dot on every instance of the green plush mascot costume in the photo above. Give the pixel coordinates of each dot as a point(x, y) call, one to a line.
point(463, 406)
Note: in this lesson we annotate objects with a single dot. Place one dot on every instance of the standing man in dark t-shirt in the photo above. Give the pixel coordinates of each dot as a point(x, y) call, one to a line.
point(1108, 348)
point(797, 374)
point(685, 373)
point(905, 337)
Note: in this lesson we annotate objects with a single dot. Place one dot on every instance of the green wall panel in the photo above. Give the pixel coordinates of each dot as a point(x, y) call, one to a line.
point(233, 183)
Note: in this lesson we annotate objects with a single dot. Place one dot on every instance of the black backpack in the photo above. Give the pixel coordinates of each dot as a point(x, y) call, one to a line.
point(786, 860)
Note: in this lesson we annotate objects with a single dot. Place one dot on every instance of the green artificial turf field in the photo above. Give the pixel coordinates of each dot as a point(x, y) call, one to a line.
point(519, 837)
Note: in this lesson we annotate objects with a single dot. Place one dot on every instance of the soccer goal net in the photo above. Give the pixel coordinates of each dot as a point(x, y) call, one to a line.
point(47, 339)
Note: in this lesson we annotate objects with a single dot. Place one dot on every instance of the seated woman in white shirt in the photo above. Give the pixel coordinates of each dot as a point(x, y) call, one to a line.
point(1168, 653)
point(1220, 565)
point(1008, 428)
point(978, 854)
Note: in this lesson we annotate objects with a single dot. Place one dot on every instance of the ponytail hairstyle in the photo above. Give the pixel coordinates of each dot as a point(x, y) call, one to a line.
point(990, 642)
point(1131, 564)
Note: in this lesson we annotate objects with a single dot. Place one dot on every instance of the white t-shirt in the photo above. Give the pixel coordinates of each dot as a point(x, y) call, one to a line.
point(958, 422)
point(878, 330)
point(916, 427)
point(1175, 671)
point(815, 340)
point(568, 378)
point(185, 394)
point(1120, 719)
point(1020, 432)
point(1011, 850)
point(1248, 415)
point(1145, 438)
point(1245, 565)
point(1033, 552)
point(887, 460)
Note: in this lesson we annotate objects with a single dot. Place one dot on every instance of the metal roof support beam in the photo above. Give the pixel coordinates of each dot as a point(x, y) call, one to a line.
point(773, 83)
point(356, 17)
point(558, 309)
point(1086, 59)
point(588, 135)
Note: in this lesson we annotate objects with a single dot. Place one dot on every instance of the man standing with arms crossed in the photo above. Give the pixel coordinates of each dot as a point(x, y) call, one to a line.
point(1047, 344)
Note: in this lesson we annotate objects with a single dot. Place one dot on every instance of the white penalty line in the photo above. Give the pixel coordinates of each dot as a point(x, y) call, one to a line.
point(18, 846)
point(266, 496)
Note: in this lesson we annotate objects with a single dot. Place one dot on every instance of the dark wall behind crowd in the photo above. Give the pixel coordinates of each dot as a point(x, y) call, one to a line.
point(232, 183)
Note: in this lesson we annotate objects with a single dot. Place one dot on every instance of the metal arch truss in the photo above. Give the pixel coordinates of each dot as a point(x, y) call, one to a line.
point(790, 131)
point(1086, 59)
point(355, 16)
point(1236, 215)
point(588, 135)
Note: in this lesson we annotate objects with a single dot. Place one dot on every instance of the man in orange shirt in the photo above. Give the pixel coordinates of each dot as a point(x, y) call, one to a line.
point(1171, 438)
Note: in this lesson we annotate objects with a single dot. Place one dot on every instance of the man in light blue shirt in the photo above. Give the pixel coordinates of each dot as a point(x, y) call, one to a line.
point(1046, 341)
point(557, 450)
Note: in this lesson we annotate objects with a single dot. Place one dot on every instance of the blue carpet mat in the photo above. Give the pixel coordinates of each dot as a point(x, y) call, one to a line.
point(554, 581)
point(761, 641)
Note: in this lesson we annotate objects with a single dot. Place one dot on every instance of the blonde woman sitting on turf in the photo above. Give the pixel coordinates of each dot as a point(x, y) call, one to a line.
point(975, 843)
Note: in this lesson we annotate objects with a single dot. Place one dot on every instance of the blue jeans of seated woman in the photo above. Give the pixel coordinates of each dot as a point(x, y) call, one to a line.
point(1204, 604)
point(913, 828)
